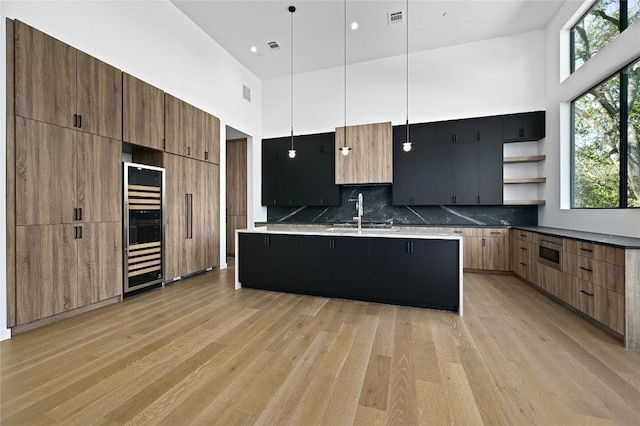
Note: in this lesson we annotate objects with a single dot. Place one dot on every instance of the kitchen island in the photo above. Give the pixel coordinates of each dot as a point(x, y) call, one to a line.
point(420, 268)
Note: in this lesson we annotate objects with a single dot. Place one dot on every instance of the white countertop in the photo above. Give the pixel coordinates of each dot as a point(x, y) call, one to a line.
point(353, 232)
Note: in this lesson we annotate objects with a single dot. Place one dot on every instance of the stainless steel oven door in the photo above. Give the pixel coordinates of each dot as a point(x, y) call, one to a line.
point(550, 252)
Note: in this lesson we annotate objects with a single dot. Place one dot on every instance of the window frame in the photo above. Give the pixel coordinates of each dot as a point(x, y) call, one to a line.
point(623, 25)
point(623, 200)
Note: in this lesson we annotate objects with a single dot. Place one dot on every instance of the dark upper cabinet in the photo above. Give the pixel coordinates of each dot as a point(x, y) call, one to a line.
point(490, 128)
point(443, 131)
point(490, 178)
point(529, 126)
point(305, 180)
point(453, 131)
point(403, 167)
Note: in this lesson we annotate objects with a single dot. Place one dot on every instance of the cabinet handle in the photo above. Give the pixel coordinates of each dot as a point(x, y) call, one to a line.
point(411, 246)
point(478, 199)
point(478, 136)
point(457, 232)
point(523, 264)
point(274, 201)
point(483, 242)
point(523, 248)
point(322, 201)
point(75, 232)
point(495, 233)
point(455, 138)
point(586, 269)
point(521, 133)
point(523, 235)
point(80, 214)
point(587, 250)
point(188, 150)
point(588, 294)
point(75, 214)
point(80, 127)
point(79, 231)
point(75, 120)
point(206, 155)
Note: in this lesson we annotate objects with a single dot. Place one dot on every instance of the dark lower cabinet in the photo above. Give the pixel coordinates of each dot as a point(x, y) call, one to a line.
point(269, 262)
point(350, 279)
point(415, 272)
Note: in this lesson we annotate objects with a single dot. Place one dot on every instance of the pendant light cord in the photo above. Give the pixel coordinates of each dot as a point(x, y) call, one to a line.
point(345, 73)
point(292, 9)
point(407, 67)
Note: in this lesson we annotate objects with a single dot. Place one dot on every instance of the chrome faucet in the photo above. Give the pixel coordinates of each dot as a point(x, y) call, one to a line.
point(359, 208)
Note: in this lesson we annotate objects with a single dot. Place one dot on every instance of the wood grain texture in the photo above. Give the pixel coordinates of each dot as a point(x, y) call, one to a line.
point(236, 184)
point(173, 125)
point(99, 97)
point(212, 139)
point(10, 165)
point(142, 113)
point(99, 177)
point(212, 221)
point(370, 158)
point(175, 234)
point(632, 299)
point(41, 94)
point(45, 173)
point(99, 262)
point(207, 354)
point(46, 282)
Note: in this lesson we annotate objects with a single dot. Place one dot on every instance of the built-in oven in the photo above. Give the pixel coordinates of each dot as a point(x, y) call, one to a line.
point(550, 251)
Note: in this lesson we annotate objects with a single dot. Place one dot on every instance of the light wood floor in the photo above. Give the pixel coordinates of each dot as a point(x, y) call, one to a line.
point(198, 352)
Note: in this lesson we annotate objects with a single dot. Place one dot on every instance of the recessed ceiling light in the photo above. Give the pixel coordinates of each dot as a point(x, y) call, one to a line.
point(444, 15)
point(254, 49)
point(354, 25)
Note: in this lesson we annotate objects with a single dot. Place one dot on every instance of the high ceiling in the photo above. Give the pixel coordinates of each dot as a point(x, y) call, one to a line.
point(319, 40)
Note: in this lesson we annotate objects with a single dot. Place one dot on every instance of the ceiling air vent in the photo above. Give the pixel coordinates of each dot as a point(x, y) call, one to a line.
point(273, 45)
point(246, 93)
point(395, 17)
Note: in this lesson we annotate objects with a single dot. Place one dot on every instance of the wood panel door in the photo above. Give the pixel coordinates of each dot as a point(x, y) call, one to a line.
point(142, 113)
point(45, 173)
point(212, 139)
point(46, 273)
point(193, 128)
point(472, 248)
point(212, 219)
point(195, 244)
point(174, 142)
point(175, 228)
point(99, 178)
point(45, 77)
point(236, 186)
point(495, 254)
point(370, 158)
point(99, 262)
point(99, 98)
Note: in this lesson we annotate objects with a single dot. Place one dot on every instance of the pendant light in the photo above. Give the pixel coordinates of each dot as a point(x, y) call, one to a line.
point(406, 145)
point(292, 151)
point(345, 149)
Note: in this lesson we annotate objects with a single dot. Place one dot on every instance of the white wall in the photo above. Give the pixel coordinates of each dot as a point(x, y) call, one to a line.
point(495, 76)
point(151, 40)
point(561, 89)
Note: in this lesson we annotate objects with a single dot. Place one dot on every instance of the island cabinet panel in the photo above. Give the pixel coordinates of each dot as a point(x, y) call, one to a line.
point(269, 262)
point(316, 264)
point(351, 268)
point(143, 113)
point(415, 272)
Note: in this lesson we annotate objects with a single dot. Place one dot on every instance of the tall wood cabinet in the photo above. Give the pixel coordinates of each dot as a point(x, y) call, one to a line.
point(67, 155)
point(236, 190)
point(192, 195)
point(370, 158)
point(142, 113)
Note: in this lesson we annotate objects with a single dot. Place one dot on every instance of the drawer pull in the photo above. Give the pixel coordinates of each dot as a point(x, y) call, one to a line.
point(523, 264)
point(523, 235)
point(587, 250)
point(586, 269)
point(523, 248)
point(495, 233)
point(457, 232)
point(588, 294)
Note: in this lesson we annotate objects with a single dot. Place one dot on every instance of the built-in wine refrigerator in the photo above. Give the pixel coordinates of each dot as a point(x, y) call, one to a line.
point(143, 226)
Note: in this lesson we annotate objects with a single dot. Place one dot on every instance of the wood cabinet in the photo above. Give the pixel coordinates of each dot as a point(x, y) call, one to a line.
point(370, 158)
point(524, 255)
point(83, 93)
point(236, 190)
point(191, 132)
point(306, 179)
point(485, 248)
point(192, 229)
point(143, 113)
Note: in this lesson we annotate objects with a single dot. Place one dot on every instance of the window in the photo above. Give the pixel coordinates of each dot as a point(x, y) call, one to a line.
point(606, 143)
point(601, 24)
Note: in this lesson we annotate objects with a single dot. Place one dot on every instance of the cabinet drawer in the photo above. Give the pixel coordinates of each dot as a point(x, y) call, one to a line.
point(531, 237)
point(609, 308)
point(584, 296)
point(467, 232)
point(526, 268)
point(495, 232)
point(608, 254)
point(600, 273)
point(527, 250)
